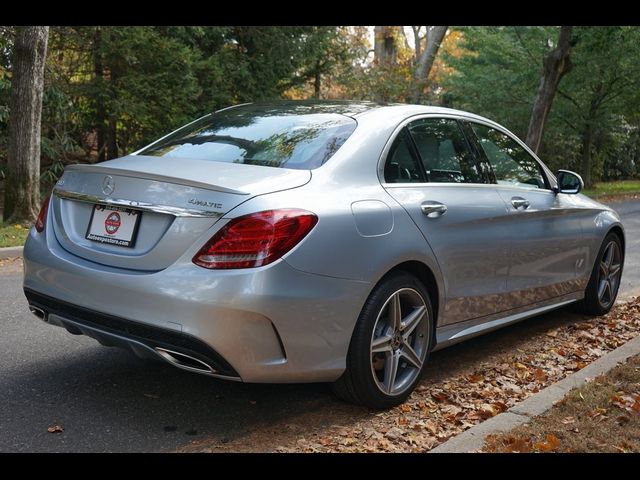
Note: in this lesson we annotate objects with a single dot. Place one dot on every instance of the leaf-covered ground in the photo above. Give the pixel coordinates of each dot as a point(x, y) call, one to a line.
point(452, 398)
point(601, 416)
point(13, 235)
point(11, 264)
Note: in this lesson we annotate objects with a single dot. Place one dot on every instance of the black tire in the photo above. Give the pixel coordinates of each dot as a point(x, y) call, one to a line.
point(593, 302)
point(365, 377)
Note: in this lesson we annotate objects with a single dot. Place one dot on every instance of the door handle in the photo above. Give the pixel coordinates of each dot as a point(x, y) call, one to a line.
point(433, 209)
point(520, 203)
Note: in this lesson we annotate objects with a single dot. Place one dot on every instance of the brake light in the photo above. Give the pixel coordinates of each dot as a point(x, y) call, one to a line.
point(256, 239)
point(41, 221)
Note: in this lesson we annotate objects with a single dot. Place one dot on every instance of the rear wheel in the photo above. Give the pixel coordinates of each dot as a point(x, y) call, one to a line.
point(390, 344)
point(604, 282)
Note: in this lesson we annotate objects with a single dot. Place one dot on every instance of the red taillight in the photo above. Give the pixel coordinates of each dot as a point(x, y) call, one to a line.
point(255, 240)
point(42, 216)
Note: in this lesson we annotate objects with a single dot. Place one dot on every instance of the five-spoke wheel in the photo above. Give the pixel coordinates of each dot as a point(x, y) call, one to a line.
point(609, 274)
point(390, 344)
point(602, 289)
point(399, 341)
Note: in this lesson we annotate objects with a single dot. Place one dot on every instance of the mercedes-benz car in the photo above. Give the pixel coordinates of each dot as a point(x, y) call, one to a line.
point(332, 242)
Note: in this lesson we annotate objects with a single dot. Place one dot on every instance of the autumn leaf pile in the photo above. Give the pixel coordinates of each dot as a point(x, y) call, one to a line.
point(437, 411)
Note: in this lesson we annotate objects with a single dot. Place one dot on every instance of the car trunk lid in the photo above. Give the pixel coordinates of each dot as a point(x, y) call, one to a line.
point(178, 201)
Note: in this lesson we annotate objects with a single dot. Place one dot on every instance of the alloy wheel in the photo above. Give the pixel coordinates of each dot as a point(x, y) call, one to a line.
point(609, 274)
point(399, 341)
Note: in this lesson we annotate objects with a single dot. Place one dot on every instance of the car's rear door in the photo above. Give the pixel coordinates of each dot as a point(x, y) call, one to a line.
point(431, 171)
point(547, 250)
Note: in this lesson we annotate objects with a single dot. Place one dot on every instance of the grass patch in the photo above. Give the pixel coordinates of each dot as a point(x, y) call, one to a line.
point(624, 187)
point(13, 235)
point(602, 416)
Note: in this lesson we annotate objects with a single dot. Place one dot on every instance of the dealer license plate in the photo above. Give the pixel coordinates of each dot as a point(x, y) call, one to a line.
point(114, 225)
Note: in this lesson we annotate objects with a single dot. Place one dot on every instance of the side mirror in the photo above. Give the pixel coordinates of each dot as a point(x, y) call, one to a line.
point(569, 182)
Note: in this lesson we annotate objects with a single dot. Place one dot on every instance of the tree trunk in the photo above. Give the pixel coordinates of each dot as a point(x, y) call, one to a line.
point(22, 185)
point(112, 139)
point(417, 42)
point(587, 141)
point(385, 48)
point(435, 35)
point(112, 126)
point(101, 120)
point(317, 81)
point(555, 65)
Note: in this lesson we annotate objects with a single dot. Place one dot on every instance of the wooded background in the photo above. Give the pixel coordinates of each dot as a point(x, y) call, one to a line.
point(571, 92)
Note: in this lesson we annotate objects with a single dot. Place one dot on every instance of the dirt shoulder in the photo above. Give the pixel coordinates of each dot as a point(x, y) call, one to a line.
point(601, 417)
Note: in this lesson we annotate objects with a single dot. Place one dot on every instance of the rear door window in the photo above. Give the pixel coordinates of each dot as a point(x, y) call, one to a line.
point(444, 151)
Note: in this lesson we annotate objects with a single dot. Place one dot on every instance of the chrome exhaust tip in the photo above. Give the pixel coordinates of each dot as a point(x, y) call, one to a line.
point(184, 361)
point(38, 312)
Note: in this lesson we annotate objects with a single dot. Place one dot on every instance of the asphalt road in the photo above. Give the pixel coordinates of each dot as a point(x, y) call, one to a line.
point(107, 400)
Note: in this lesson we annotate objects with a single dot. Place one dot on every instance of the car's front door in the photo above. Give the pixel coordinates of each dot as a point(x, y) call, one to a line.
point(546, 237)
point(431, 171)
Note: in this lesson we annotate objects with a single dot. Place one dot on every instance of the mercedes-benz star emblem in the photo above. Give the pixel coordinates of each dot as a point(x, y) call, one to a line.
point(108, 185)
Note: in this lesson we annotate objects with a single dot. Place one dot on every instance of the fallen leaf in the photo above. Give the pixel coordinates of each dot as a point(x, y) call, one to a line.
point(439, 396)
point(568, 420)
point(583, 326)
point(431, 426)
point(500, 406)
point(596, 412)
point(550, 444)
point(451, 410)
point(513, 444)
point(622, 420)
point(55, 429)
point(405, 408)
point(540, 375)
point(476, 378)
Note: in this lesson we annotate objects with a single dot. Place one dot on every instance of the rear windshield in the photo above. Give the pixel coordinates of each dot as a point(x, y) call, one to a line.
point(268, 137)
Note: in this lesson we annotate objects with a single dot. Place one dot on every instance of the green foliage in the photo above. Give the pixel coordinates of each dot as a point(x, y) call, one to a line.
point(123, 87)
point(625, 187)
point(134, 84)
point(498, 74)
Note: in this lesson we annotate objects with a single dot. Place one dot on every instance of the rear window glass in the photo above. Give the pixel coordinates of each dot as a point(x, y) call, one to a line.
point(268, 137)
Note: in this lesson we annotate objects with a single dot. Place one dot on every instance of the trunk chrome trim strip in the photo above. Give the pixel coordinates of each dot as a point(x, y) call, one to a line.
point(147, 207)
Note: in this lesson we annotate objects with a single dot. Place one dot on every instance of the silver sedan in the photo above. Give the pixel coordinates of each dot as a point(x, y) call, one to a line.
point(318, 242)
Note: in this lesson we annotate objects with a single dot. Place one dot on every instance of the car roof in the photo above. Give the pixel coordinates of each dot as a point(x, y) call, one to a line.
point(350, 108)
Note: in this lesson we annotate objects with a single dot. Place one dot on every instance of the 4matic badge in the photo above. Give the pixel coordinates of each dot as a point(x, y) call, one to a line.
point(204, 203)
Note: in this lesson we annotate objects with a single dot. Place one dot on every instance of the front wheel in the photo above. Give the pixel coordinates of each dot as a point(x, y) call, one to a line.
point(604, 282)
point(390, 344)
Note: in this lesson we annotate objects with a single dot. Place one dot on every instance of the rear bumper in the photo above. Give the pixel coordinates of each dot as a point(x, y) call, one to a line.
point(269, 324)
point(143, 340)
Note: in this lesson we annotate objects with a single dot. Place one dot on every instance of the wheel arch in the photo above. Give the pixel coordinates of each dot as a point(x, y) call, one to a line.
point(423, 273)
point(617, 229)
